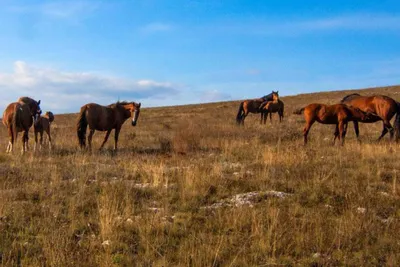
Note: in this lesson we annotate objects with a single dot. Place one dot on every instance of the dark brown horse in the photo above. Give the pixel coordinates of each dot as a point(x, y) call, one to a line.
point(276, 105)
point(338, 114)
point(253, 106)
point(105, 118)
point(43, 125)
point(382, 106)
point(19, 117)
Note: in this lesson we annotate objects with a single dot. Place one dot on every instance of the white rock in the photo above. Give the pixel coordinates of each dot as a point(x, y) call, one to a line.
point(106, 243)
point(361, 210)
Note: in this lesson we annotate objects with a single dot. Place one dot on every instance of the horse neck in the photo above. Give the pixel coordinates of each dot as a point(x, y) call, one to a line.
point(126, 114)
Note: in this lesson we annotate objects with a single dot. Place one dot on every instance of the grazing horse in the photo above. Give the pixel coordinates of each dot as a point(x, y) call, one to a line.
point(19, 117)
point(382, 106)
point(276, 105)
point(339, 114)
point(105, 118)
point(253, 106)
point(43, 125)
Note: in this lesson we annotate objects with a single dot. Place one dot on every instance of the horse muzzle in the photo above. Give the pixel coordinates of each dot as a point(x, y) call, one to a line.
point(133, 123)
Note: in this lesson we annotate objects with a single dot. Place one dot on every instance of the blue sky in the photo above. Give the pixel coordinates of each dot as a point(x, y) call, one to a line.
point(167, 52)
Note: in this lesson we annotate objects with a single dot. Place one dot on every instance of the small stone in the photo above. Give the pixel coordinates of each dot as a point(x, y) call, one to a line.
point(106, 243)
point(316, 255)
point(361, 210)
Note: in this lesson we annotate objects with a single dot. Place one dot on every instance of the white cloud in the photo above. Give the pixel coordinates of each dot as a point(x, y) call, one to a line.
point(156, 27)
point(66, 91)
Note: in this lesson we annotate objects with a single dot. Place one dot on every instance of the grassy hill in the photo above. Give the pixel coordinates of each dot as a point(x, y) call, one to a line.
point(190, 188)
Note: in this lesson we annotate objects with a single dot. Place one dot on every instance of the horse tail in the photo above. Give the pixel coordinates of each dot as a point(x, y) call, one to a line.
point(397, 122)
point(16, 121)
point(298, 111)
point(82, 127)
point(239, 114)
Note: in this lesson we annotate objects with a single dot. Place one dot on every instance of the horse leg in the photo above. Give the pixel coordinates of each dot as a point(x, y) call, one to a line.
point(41, 140)
point(24, 142)
point(386, 128)
point(90, 137)
point(357, 130)
point(105, 139)
point(36, 140)
point(244, 116)
point(306, 130)
point(391, 130)
point(48, 134)
point(261, 117)
point(270, 117)
point(342, 131)
point(116, 138)
point(11, 141)
point(336, 134)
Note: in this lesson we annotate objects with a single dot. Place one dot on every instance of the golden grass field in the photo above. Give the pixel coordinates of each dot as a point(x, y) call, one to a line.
point(155, 202)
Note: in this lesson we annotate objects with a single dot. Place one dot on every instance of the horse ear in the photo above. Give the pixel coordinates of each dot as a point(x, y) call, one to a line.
point(139, 104)
point(38, 102)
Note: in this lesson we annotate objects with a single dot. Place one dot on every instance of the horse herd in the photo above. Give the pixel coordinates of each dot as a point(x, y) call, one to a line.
point(21, 115)
point(352, 108)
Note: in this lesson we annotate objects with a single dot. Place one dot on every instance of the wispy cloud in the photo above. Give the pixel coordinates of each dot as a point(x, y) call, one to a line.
point(213, 96)
point(356, 22)
point(62, 10)
point(156, 27)
point(68, 90)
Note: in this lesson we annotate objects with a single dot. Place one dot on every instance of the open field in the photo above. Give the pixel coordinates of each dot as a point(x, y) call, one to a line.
point(168, 197)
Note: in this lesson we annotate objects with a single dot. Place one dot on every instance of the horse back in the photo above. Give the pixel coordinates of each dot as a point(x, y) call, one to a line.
point(99, 117)
point(383, 106)
point(253, 105)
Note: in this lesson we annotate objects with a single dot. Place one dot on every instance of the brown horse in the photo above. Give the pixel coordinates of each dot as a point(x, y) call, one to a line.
point(253, 106)
point(105, 118)
point(43, 125)
point(19, 117)
point(382, 106)
point(276, 105)
point(338, 114)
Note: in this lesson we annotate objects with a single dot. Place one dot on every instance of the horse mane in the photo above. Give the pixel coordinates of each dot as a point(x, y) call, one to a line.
point(26, 100)
point(349, 96)
point(269, 96)
point(119, 104)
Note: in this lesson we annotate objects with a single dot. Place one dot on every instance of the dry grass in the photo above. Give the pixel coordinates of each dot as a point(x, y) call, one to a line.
point(145, 205)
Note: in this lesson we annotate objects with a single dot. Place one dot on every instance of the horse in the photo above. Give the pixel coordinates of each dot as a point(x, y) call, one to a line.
point(19, 117)
point(253, 106)
point(382, 106)
point(338, 114)
point(276, 105)
point(105, 118)
point(43, 125)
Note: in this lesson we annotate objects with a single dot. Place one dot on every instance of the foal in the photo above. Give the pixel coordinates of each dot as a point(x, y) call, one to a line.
point(276, 105)
point(43, 125)
point(339, 114)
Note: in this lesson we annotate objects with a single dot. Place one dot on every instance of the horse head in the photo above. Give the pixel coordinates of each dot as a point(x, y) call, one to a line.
point(363, 115)
point(270, 96)
point(34, 106)
point(135, 111)
point(275, 96)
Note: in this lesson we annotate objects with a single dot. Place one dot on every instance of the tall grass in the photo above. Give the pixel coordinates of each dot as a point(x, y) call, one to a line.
point(148, 204)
